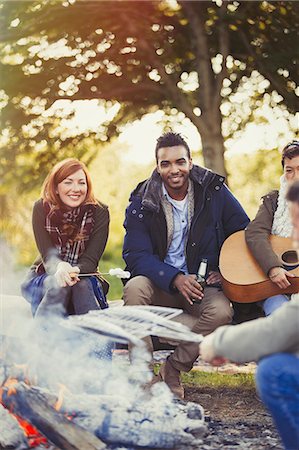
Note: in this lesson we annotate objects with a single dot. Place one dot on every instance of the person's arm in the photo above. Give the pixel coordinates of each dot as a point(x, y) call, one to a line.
point(257, 236)
point(89, 260)
point(138, 250)
point(43, 239)
point(253, 340)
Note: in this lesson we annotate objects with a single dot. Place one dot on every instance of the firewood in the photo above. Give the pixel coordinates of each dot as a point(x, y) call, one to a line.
point(31, 405)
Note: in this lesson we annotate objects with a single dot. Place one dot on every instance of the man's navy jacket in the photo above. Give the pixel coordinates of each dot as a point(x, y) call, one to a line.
point(217, 214)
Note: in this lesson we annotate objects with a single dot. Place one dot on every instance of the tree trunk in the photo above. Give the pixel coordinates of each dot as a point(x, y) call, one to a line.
point(213, 152)
point(209, 126)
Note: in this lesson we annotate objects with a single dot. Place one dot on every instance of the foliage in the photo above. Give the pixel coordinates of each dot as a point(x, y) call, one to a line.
point(138, 57)
point(254, 175)
point(113, 180)
point(112, 260)
point(15, 225)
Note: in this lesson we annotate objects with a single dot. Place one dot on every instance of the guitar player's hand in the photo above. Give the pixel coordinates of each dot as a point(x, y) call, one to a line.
point(280, 276)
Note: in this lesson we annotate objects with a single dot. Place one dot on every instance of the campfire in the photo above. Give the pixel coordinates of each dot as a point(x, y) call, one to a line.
point(72, 400)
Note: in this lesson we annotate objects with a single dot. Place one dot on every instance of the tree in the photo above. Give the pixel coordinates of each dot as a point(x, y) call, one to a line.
point(186, 56)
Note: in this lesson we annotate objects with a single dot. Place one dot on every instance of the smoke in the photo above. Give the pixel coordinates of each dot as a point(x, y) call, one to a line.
point(10, 276)
point(108, 397)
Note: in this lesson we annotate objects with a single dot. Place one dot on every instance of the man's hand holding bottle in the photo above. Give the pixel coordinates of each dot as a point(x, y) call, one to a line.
point(192, 286)
point(188, 286)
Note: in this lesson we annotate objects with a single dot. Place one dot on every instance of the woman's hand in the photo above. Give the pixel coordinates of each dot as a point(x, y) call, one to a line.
point(63, 274)
point(279, 276)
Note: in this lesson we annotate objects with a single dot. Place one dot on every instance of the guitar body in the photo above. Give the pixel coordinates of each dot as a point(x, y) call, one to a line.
point(243, 280)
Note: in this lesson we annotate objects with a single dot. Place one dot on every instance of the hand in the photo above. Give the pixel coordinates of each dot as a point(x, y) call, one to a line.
point(207, 351)
point(279, 276)
point(214, 277)
point(63, 274)
point(188, 287)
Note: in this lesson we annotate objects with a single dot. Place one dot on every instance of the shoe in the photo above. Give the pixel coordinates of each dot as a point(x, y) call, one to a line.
point(171, 377)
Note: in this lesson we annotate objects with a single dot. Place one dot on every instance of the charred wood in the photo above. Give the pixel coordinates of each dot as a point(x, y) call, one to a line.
point(32, 405)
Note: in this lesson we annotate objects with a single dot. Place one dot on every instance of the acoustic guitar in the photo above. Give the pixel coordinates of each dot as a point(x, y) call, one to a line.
point(243, 280)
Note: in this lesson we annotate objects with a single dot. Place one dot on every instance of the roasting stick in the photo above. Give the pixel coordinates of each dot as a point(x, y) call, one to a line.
point(73, 275)
point(119, 273)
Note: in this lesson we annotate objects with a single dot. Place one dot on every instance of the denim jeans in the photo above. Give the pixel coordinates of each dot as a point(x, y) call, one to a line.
point(84, 296)
point(57, 299)
point(272, 303)
point(277, 380)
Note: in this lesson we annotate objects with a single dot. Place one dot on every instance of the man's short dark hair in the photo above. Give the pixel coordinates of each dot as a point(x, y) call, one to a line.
point(293, 193)
point(290, 151)
point(171, 139)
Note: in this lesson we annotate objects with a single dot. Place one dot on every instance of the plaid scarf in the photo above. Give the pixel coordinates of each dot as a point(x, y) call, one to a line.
point(70, 230)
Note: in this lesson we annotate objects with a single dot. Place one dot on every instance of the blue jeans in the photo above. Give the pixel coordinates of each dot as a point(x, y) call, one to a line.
point(57, 299)
point(42, 292)
point(277, 380)
point(272, 303)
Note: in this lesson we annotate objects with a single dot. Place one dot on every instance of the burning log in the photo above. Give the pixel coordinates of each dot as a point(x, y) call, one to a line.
point(11, 434)
point(30, 404)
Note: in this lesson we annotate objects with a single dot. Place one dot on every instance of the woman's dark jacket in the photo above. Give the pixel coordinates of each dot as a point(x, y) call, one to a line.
point(217, 214)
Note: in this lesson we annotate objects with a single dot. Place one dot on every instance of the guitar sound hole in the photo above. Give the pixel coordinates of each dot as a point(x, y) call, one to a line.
point(290, 257)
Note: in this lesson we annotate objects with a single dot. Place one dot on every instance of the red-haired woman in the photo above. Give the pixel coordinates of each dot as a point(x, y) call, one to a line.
point(71, 230)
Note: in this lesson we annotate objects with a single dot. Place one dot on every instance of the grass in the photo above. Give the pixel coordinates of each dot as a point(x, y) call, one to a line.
point(111, 261)
point(216, 379)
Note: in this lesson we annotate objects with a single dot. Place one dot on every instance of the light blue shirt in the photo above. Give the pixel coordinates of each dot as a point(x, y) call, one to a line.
point(176, 256)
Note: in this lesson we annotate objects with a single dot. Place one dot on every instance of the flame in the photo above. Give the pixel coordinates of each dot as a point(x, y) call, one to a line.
point(61, 392)
point(10, 384)
point(34, 437)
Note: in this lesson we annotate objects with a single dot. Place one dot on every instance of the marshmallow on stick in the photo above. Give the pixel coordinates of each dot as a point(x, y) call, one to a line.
point(119, 273)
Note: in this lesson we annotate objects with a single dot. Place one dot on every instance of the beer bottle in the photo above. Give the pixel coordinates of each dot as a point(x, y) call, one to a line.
point(201, 276)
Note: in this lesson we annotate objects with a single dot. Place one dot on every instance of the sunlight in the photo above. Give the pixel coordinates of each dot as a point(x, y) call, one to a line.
point(141, 136)
point(88, 114)
point(270, 130)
